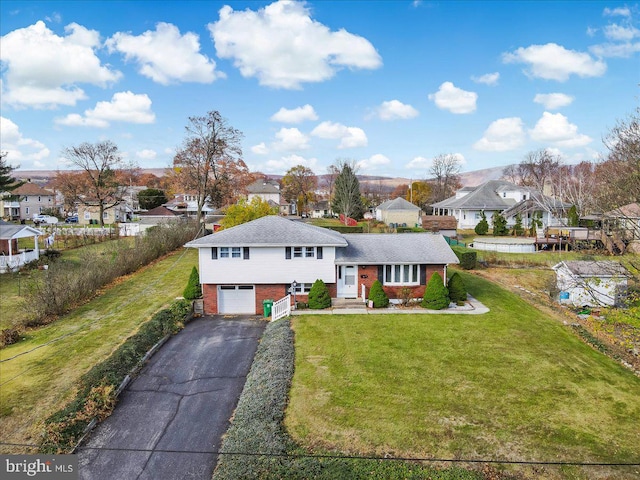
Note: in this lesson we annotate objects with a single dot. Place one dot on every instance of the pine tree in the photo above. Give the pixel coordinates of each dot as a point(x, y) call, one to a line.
point(482, 228)
point(346, 197)
point(7, 182)
point(457, 289)
point(518, 230)
point(436, 295)
point(378, 296)
point(499, 225)
point(319, 295)
point(572, 216)
point(193, 289)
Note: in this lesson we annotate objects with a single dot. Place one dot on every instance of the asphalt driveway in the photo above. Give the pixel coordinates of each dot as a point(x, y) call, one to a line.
point(171, 418)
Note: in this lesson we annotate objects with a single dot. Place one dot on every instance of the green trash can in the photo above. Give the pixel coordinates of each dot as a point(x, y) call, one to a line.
point(267, 305)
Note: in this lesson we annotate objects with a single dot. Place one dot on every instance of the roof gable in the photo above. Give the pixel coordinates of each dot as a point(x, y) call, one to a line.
point(30, 189)
point(593, 268)
point(398, 204)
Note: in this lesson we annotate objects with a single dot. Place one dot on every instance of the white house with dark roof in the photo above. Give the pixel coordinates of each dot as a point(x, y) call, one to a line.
point(244, 265)
point(505, 198)
point(591, 282)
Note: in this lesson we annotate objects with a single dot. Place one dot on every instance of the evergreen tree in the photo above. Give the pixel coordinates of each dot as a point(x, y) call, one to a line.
point(346, 197)
point(193, 289)
point(7, 182)
point(536, 222)
point(151, 198)
point(378, 296)
point(436, 295)
point(482, 228)
point(518, 230)
point(457, 289)
point(572, 217)
point(319, 295)
point(499, 225)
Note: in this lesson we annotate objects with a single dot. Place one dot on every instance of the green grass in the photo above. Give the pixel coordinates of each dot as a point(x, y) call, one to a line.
point(511, 384)
point(47, 377)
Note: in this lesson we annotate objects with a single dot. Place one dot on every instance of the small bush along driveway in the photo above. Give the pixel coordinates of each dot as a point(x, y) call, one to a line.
point(512, 384)
point(173, 415)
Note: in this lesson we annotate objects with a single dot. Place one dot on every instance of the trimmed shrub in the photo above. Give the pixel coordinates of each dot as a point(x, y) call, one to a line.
point(193, 289)
point(319, 295)
point(436, 295)
point(457, 289)
point(500, 228)
point(468, 260)
point(482, 228)
point(377, 295)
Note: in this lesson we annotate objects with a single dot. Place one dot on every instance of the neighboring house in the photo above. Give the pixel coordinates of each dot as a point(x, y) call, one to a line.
point(320, 209)
point(591, 283)
point(187, 204)
point(33, 199)
point(9, 206)
point(90, 213)
point(503, 197)
point(269, 191)
point(11, 257)
point(626, 220)
point(247, 264)
point(399, 212)
point(159, 215)
point(443, 224)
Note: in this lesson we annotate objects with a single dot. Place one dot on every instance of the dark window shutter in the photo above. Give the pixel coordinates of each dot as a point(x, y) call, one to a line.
point(381, 273)
point(287, 253)
point(214, 253)
point(319, 253)
point(423, 274)
point(245, 253)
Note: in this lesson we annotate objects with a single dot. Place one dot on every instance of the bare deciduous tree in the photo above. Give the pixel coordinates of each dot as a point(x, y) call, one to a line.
point(445, 171)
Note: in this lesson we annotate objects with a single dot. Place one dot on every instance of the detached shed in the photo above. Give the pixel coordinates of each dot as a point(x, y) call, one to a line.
point(591, 282)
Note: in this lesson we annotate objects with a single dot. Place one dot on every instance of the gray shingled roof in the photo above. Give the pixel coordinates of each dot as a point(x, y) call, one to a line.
point(484, 197)
point(272, 231)
point(403, 248)
point(599, 268)
point(263, 186)
point(11, 230)
point(398, 204)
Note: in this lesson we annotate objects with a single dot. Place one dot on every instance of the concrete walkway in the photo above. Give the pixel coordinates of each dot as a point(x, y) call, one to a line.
point(471, 307)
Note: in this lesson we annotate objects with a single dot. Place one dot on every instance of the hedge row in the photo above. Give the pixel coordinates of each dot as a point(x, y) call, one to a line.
point(345, 228)
point(96, 395)
point(258, 428)
point(468, 258)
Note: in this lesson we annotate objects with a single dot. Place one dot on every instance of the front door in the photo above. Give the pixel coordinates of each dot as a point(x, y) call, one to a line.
point(347, 281)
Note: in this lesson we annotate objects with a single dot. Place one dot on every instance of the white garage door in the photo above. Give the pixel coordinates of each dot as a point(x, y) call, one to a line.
point(236, 299)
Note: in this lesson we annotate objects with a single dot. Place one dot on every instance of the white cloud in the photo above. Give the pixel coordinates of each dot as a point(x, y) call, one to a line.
point(394, 110)
point(43, 69)
point(295, 115)
point(556, 130)
point(620, 33)
point(553, 101)
point(502, 135)
point(423, 163)
point(350, 137)
point(283, 164)
point(284, 47)
point(554, 62)
point(449, 97)
point(146, 154)
point(490, 79)
point(260, 149)
point(290, 139)
point(373, 162)
point(620, 50)
point(166, 56)
point(123, 107)
point(619, 11)
point(18, 147)
point(591, 31)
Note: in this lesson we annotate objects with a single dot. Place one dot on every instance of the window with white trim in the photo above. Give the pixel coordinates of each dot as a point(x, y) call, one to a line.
point(303, 252)
point(401, 275)
point(230, 252)
point(301, 288)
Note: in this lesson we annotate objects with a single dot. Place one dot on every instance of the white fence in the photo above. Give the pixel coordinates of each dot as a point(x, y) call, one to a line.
point(13, 262)
point(281, 308)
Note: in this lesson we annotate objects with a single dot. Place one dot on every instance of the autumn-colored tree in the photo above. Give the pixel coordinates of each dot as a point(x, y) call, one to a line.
point(150, 180)
point(210, 143)
point(99, 180)
point(420, 194)
point(243, 212)
point(299, 185)
point(401, 190)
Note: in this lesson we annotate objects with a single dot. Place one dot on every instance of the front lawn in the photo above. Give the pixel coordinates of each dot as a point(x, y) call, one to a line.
point(511, 384)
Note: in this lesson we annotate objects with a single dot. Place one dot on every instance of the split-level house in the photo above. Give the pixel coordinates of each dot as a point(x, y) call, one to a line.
point(244, 265)
point(506, 198)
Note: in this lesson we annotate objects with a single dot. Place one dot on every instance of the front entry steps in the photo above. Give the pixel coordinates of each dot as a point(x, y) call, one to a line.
point(347, 303)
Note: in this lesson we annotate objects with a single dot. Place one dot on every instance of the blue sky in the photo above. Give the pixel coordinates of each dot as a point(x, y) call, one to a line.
point(388, 84)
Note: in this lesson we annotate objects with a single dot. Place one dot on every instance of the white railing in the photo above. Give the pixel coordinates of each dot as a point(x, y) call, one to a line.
point(364, 293)
point(13, 262)
point(281, 308)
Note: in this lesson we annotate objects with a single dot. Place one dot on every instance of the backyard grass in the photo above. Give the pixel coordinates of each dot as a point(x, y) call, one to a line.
point(512, 384)
point(34, 385)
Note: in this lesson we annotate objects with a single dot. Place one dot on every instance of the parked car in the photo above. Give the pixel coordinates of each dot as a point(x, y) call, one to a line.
point(71, 219)
point(48, 219)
